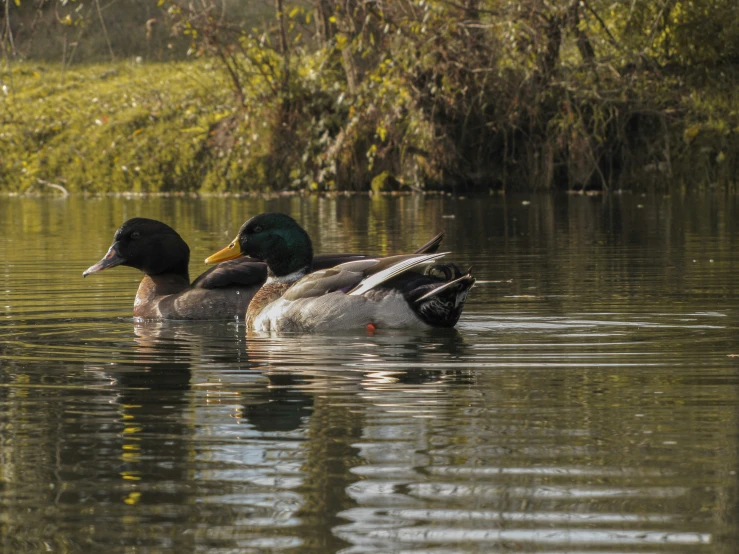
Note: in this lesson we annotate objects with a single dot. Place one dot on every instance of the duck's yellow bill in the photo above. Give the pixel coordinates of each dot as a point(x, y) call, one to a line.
point(232, 251)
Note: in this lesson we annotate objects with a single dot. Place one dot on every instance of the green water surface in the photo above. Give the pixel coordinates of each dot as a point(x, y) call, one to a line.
point(587, 401)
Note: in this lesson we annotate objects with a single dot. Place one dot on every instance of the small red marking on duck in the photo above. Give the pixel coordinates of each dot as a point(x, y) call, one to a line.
point(371, 329)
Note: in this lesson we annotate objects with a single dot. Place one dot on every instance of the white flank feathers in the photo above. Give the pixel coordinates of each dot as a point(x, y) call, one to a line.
point(401, 267)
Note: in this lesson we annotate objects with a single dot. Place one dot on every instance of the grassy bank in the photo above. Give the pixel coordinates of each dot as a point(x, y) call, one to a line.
point(122, 127)
point(178, 127)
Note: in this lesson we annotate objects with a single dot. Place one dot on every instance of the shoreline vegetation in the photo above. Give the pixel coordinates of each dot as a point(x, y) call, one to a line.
point(469, 97)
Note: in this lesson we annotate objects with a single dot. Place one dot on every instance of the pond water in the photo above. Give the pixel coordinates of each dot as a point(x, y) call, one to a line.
point(588, 400)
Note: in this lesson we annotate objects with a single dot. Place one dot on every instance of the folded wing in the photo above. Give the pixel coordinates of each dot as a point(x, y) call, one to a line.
point(238, 272)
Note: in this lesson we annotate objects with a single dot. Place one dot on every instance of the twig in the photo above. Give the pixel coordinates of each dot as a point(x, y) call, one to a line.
point(105, 31)
point(5, 51)
point(655, 25)
point(60, 188)
point(64, 57)
point(9, 30)
point(234, 76)
point(603, 25)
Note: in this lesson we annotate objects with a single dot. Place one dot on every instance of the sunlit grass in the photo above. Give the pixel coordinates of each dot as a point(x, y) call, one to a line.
point(123, 127)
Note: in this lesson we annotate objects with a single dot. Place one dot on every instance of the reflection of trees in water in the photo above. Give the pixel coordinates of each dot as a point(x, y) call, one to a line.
point(282, 437)
point(579, 248)
point(50, 468)
point(571, 237)
point(212, 428)
point(278, 406)
point(103, 453)
point(726, 514)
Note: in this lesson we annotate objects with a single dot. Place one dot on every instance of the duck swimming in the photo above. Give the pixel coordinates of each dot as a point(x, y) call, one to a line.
point(374, 293)
point(223, 292)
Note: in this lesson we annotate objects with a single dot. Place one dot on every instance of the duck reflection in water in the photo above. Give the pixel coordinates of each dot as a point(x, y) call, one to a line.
point(269, 403)
point(274, 379)
point(273, 421)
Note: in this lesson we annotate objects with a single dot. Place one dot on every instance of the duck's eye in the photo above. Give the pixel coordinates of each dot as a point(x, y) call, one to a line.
point(258, 229)
point(135, 235)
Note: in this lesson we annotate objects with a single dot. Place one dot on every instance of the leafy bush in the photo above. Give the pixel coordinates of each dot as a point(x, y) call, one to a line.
point(403, 94)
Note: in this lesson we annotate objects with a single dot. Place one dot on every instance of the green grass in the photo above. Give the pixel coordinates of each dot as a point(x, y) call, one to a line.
point(149, 128)
point(110, 128)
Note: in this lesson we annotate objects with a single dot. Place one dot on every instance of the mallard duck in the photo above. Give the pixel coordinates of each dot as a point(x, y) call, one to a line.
point(374, 293)
point(223, 292)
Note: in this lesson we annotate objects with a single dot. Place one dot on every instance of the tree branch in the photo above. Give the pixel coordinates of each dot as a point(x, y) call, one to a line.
point(603, 25)
point(105, 31)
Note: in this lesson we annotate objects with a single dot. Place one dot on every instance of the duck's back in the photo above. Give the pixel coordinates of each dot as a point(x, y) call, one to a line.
point(242, 272)
point(221, 293)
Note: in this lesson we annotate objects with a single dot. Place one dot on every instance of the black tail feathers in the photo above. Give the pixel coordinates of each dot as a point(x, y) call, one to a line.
point(440, 299)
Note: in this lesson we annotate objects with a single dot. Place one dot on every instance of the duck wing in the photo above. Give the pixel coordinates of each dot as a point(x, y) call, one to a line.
point(392, 266)
point(357, 277)
point(343, 277)
point(326, 261)
point(241, 272)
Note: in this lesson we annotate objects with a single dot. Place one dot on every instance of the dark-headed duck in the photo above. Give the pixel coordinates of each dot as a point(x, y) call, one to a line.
point(221, 293)
point(372, 293)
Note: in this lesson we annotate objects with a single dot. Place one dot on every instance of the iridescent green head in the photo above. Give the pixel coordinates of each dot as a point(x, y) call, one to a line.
point(275, 238)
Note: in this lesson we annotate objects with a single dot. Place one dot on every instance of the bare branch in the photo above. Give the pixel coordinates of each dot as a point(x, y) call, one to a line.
point(603, 25)
point(105, 31)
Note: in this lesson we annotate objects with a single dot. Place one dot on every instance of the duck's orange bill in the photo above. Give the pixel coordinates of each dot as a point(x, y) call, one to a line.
point(232, 251)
